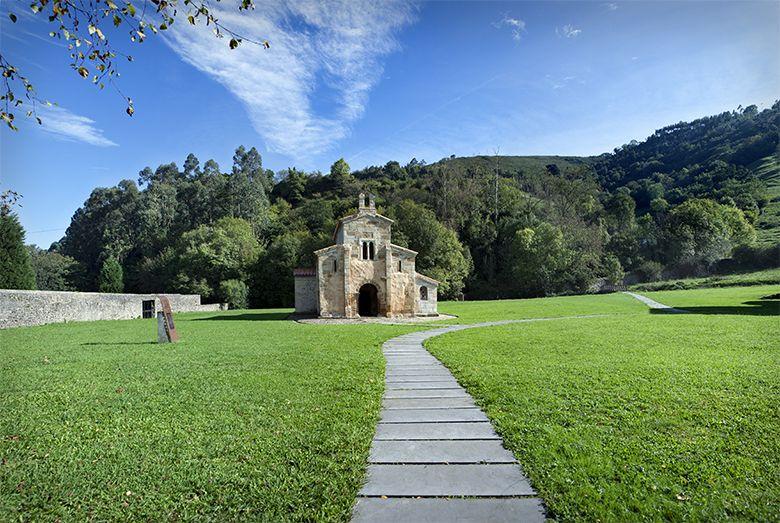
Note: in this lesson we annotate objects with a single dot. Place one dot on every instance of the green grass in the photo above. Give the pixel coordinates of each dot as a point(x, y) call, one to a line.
point(765, 277)
point(768, 227)
point(641, 416)
point(634, 415)
point(479, 311)
point(242, 420)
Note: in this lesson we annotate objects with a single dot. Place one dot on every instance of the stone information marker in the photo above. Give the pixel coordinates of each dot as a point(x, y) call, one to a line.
point(166, 329)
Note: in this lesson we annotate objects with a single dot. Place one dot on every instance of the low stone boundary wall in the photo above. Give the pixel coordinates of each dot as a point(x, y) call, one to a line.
point(26, 308)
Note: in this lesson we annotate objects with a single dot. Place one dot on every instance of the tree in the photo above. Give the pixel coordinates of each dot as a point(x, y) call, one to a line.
point(211, 254)
point(53, 271)
point(540, 259)
point(86, 26)
point(111, 276)
point(700, 232)
point(16, 271)
point(440, 254)
point(234, 293)
point(340, 178)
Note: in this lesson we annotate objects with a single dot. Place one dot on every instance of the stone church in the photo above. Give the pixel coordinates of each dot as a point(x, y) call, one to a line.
point(364, 274)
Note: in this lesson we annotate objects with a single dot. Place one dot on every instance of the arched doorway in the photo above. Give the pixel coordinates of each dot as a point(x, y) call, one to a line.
point(368, 300)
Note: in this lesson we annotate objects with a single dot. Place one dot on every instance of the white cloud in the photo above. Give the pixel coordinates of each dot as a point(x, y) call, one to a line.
point(69, 126)
point(568, 31)
point(302, 94)
point(517, 26)
point(610, 6)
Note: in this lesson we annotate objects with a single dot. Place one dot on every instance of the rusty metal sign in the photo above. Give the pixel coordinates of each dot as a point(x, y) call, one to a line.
point(167, 316)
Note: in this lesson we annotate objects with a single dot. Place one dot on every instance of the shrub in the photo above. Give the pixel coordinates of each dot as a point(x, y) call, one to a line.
point(235, 293)
point(649, 270)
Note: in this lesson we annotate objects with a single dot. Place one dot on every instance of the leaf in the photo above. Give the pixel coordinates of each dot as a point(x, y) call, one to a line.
point(130, 110)
point(233, 43)
point(83, 71)
point(12, 17)
point(191, 19)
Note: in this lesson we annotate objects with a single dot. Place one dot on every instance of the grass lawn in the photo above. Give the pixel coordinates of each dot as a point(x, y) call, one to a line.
point(641, 415)
point(765, 277)
point(632, 415)
point(479, 311)
point(244, 419)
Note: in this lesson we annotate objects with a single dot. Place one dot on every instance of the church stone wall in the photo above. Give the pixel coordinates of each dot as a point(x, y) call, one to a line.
point(306, 294)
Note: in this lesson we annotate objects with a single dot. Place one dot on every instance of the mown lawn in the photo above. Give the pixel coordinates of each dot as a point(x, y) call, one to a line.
point(642, 416)
point(764, 277)
point(248, 418)
point(479, 311)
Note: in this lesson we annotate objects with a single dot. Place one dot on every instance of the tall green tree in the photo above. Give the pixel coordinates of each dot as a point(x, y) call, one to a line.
point(16, 271)
point(111, 276)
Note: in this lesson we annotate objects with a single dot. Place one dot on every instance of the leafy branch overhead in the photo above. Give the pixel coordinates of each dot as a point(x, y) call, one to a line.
point(86, 27)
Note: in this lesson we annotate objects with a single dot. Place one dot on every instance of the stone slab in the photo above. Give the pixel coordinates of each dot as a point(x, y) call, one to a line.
point(446, 480)
point(442, 510)
point(425, 366)
point(428, 403)
point(458, 451)
point(419, 379)
point(434, 371)
point(423, 431)
point(432, 415)
point(425, 393)
point(422, 385)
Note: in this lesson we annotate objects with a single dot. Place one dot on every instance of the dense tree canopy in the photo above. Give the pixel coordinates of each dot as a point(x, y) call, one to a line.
point(679, 203)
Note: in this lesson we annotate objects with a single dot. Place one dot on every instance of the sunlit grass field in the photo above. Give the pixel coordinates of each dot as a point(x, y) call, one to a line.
point(626, 415)
point(642, 416)
point(248, 417)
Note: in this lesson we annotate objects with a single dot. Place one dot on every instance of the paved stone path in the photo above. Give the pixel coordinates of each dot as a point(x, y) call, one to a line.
point(653, 304)
point(435, 456)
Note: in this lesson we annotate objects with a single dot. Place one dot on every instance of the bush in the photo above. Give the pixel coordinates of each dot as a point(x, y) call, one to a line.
point(16, 271)
point(111, 278)
point(235, 293)
point(649, 270)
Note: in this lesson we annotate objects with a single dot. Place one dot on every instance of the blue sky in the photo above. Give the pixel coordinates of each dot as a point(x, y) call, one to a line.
point(379, 81)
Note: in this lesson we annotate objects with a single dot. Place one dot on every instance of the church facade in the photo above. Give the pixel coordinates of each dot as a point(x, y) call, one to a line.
point(364, 274)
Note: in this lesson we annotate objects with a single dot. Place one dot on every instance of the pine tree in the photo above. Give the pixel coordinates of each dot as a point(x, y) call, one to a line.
point(16, 271)
point(111, 277)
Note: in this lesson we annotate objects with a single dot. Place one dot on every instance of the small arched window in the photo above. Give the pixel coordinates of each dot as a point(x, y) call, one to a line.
point(335, 264)
point(400, 266)
point(366, 201)
point(365, 250)
point(423, 293)
point(371, 250)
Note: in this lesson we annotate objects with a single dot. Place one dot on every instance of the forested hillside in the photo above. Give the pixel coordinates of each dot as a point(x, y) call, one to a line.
point(688, 200)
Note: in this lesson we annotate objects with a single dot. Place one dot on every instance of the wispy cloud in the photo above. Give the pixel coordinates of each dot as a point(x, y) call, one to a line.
point(69, 126)
point(568, 31)
point(302, 94)
point(515, 24)
point(610, 6)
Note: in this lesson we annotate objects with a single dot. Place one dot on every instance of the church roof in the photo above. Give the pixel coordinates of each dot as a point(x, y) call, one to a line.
point(426, 278)
point(357, 216)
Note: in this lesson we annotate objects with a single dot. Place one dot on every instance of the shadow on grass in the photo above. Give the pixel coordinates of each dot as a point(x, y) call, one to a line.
point(749, 308)
point(250, 316)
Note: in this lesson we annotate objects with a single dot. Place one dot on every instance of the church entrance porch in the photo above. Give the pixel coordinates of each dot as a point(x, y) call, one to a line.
point(368, 300)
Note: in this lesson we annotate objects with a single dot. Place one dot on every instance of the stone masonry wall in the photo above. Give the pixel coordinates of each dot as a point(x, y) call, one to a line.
point(26, 308)
point(306, 294)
